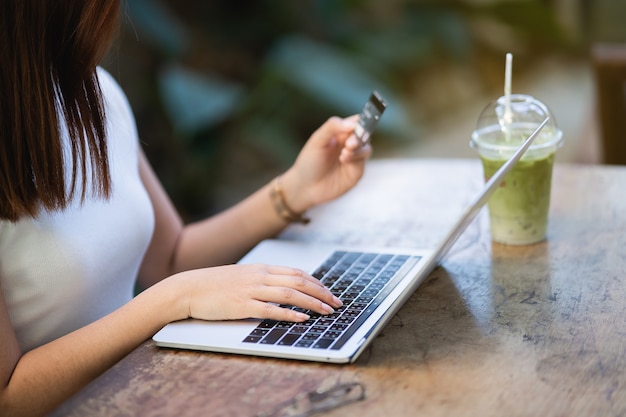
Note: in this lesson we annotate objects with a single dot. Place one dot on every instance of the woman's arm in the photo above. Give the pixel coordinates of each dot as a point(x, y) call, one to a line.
point(218, 240)
point(32, 384)
point(331, 162)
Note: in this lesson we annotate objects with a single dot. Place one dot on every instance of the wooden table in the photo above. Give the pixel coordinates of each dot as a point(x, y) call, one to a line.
point(497, 330)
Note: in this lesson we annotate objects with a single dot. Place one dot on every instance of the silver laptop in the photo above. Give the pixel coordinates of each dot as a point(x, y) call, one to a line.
point(373, 284)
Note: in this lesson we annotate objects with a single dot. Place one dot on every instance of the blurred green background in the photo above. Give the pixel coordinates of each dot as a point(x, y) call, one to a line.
point(226, 92)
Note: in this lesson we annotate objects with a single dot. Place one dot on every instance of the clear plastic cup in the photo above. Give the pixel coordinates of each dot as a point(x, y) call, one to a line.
point(518, 209)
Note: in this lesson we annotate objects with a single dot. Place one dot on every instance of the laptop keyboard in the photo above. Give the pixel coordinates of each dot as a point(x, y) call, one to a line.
point(360, 280)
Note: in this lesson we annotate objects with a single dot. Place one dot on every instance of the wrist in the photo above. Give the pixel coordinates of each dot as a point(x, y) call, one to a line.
point(296, 193)
point(285, 207)
point(171, 295)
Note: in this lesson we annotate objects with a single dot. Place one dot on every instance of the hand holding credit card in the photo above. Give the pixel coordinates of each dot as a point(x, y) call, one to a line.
point(369, 116)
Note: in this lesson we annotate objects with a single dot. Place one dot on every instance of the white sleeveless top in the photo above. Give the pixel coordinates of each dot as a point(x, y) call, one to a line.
point(66, 269)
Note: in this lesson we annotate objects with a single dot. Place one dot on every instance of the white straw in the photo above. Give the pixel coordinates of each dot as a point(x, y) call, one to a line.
point(508, 116)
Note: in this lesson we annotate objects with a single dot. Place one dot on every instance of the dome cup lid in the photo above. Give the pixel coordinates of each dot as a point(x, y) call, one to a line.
point(501, 129)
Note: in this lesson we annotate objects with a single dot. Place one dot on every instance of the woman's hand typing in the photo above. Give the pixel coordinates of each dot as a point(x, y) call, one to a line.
point(252, 291)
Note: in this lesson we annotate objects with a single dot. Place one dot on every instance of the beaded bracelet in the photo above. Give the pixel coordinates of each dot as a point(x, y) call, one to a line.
point(281, 207)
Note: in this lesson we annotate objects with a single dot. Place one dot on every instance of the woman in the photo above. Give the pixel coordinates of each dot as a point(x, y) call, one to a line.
point(82, 215)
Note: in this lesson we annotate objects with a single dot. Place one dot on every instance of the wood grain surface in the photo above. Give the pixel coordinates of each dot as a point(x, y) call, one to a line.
point(496, 330)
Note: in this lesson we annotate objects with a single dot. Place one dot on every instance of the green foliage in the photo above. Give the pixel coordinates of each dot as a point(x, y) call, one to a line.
point(226, 92)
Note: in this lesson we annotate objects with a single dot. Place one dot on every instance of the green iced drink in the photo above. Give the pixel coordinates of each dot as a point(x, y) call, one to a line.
point(518, 209)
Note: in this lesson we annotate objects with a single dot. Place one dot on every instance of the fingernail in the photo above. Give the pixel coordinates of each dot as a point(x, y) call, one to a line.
point(302, 316)
point(337, 301)
point(328, 309)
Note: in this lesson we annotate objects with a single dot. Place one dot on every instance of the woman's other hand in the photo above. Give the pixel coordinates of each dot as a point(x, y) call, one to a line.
point(331, 162)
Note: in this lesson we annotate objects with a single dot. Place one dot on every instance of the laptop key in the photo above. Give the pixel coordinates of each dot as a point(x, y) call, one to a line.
point(311, 336)
point(304, 343)
point(323, 343)
point(289, 339)
point(332, 334)
point(273, 336)
point(252, 339)
point(267, 324)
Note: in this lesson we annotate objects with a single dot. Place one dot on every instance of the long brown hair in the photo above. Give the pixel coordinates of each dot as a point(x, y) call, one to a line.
point(50, 50)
